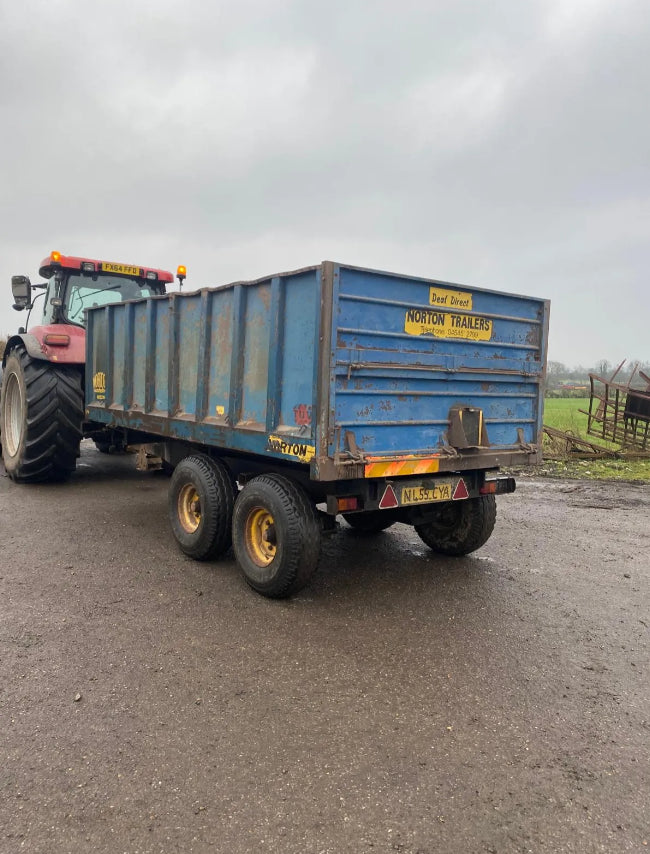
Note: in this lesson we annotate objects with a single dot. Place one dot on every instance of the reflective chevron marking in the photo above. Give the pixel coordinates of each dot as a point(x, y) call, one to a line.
point(391, 468)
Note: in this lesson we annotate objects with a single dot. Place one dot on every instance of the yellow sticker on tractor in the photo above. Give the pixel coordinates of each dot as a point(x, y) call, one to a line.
point(445, 324)
point(444, 298)
point(291, 448)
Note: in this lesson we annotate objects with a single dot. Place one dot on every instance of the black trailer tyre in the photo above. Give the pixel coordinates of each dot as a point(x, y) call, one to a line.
point(370, 522)
point(41, 416)
point(201, 500)
point(460, 527)
point(108, 446)
point(276, 535)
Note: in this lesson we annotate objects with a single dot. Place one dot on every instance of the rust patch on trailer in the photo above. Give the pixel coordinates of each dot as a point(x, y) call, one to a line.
point(532, 336)
point(223, 327)
point(265, 296)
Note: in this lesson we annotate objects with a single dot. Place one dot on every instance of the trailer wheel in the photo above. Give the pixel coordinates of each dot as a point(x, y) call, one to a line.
point(460, 527)
point(370, 522)
point(276, 535)
point(108, 446)
point(41, 417)
point(201, 499)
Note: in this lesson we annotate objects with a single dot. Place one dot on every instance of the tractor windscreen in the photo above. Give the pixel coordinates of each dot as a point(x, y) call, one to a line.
point(83, 291)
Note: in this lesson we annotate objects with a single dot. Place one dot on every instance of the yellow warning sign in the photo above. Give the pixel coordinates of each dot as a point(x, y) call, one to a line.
point(99, 385)
point(445, 324)
point(444, 298)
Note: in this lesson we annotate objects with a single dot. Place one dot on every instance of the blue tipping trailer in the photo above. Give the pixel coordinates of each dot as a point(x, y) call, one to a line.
point(383, 397)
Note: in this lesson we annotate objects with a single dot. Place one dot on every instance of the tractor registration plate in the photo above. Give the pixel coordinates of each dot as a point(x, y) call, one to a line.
point(442, 491)
point(124, 269)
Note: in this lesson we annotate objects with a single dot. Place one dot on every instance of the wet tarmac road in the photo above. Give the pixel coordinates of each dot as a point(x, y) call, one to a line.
point(404, 702)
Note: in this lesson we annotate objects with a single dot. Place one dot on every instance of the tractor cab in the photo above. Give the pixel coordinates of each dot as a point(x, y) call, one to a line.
point(74, 284)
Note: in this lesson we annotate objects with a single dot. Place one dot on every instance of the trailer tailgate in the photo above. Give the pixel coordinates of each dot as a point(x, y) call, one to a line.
point(408, 352)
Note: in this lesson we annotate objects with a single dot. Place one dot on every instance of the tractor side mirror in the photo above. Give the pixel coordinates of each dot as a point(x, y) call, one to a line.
point(21, 288)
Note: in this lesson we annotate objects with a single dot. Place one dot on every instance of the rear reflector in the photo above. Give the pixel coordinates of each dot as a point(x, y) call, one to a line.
point(388, 499)
point(56, 339)
point(461, 491)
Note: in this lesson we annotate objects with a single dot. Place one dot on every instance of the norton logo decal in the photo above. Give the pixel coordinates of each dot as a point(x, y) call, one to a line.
point(99, 385)
point(450, 299)
point(291, 449)
point(444, 324)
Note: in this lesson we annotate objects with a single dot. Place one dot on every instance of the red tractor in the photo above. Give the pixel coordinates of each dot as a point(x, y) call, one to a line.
point(42, 400)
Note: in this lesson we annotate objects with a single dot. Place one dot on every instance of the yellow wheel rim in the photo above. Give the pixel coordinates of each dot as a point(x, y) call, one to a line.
point(260, 536)
point(189, 508)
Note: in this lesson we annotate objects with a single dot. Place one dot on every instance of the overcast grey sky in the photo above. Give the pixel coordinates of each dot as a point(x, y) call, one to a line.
point(501, 144)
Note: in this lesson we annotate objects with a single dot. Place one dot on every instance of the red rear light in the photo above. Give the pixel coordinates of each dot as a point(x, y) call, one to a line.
point(488, 488)
point(55, 339)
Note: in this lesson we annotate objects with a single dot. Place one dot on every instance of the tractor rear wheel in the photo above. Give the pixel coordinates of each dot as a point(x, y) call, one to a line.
point(41, 413)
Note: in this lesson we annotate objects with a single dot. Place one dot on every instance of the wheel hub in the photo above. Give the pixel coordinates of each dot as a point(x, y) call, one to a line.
point(260, 536)
point(13, 421)
point(189, 508)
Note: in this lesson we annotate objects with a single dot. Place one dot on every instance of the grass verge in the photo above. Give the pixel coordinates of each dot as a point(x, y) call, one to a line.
point(563, 414)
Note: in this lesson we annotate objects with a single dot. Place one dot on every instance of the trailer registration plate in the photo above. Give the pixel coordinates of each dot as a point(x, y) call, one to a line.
point(442, 491)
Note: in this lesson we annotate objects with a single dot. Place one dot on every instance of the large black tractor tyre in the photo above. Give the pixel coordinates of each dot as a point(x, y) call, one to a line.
point(460, 527)
point(370, 522)
point(41, 416)
point(201, 499)
point(276, 535)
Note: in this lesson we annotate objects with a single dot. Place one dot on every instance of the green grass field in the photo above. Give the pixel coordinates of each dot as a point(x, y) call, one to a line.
point(563, 414)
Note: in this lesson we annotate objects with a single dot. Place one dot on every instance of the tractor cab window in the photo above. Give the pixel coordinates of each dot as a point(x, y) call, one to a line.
point(84, 292)
point(48, 308)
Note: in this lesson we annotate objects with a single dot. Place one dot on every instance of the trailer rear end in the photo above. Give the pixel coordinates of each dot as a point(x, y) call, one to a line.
point(331, 389)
